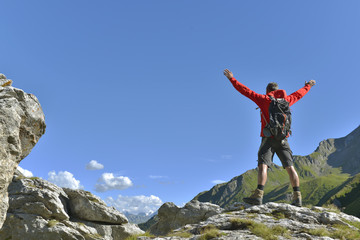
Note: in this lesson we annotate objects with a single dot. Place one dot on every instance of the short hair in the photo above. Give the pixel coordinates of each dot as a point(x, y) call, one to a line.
point(272, 87)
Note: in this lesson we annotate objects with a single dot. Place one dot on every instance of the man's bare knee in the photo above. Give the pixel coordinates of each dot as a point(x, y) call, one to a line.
point(263, 167)
point(290, 169)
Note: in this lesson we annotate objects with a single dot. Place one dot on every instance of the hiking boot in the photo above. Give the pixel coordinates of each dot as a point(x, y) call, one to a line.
point(4, 82)
point(255, 198)
point(296, 199)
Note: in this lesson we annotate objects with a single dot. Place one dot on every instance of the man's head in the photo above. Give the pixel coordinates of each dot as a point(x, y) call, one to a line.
point(272, 87)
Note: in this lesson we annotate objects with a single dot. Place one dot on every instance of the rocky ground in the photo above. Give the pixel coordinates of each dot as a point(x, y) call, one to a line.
point(242, 221)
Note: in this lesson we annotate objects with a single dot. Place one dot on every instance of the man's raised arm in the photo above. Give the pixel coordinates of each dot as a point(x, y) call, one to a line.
point(296, 96)
point(242, 88)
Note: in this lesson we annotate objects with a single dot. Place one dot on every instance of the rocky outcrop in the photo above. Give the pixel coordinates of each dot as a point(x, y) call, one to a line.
point(84, 205)
point(22, 123)
point(172, 217)
point(40, 210)
point(270, 221)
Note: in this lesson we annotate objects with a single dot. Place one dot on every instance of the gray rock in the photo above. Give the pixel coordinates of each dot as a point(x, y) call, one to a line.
point(41, 210)
point(299, 222)
point(37, 196)
point(171, 217)
point(33, 227)
point(116, 232)
point(22, 123)
point(85, 206)
point(236, 206)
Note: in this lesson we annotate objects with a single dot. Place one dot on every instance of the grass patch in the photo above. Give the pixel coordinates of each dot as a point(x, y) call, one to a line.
point(281, 231)
point(209, 232)
point(278, 215)
point(308, 206)
point(31, 185)
point(259, 229)
point(239, 223)
point(354, 224)
point(95, 236)
point(19, 177)
point(342, 232)
point(345, 232)
point(134, 237)
point(320, 232)
point(332, 208)
point(91, 197)
point(81, 224)
point(52, 223)
point(182, 234)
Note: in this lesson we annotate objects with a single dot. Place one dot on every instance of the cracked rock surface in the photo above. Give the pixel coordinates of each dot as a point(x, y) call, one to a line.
point(22, 123)
point(172, 217)
point(40, 210)
point(267, 221)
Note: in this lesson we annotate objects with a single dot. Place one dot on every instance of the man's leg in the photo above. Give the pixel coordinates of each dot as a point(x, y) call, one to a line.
point(285, 155)
point(294, 178)
point(257, 196)
point(265, 156)
point(295, 183)
point(262, 175)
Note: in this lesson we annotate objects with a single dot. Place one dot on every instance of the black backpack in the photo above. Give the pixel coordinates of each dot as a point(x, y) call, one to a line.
point(280, 119)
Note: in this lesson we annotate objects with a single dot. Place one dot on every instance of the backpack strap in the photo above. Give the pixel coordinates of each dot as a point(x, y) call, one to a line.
point(263, 117)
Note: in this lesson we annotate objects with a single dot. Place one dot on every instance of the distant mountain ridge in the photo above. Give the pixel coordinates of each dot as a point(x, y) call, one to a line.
point(331, 174)
point(138, 218)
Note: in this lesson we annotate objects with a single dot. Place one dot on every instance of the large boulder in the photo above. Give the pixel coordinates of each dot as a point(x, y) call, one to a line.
point(85, 206)
point(33, 227)
point(22, 123)
point(40, 210)
point(37, 196)
point(115, 232)
point(172, 217)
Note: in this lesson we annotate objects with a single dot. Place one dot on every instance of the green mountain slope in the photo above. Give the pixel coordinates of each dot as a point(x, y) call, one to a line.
point(331, 174)
point(348, 196)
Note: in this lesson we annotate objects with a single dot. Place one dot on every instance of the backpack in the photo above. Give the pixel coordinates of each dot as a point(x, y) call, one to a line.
point(280, 119)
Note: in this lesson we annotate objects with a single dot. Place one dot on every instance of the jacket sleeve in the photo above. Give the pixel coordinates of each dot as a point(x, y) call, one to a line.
point(256, 97)
point(296, 96)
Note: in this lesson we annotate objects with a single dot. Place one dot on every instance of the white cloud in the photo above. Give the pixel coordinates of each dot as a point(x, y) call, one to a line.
point(218, 181)
point(94, 165)
point(64, 179)
point(25, 172)
point(135, 204)
point(108, 181)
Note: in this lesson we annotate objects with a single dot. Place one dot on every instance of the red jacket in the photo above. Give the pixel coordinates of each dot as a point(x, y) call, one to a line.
point(263, 100)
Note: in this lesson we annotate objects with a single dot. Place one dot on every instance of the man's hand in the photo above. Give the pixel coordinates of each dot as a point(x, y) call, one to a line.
point(311, 82)
point(228, 74)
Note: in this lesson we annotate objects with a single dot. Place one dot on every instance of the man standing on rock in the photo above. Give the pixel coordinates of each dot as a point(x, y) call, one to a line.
point(269, 145)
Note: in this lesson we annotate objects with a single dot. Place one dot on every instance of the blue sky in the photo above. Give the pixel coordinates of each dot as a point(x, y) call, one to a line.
point(137, 86)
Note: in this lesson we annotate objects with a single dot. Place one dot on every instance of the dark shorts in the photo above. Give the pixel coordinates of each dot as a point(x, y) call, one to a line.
point(270, 146)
